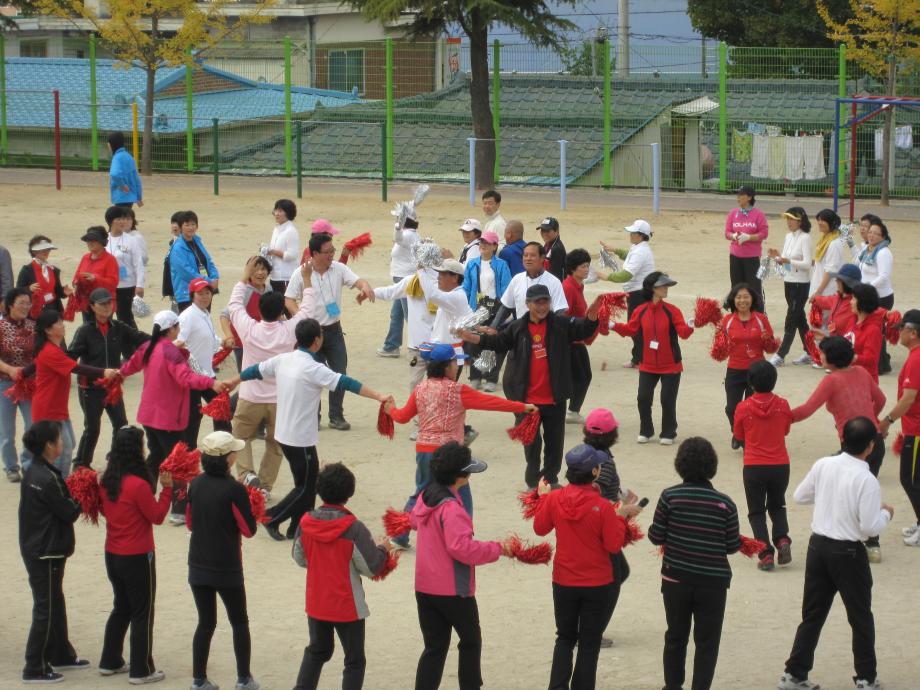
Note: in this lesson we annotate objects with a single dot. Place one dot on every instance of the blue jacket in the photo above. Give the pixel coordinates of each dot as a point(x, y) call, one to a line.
point(183, 267)
point(471, 278)
point(123, 173)
point(513, 255)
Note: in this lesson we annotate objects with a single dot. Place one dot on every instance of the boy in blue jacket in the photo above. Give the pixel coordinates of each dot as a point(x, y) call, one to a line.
point(124, 182)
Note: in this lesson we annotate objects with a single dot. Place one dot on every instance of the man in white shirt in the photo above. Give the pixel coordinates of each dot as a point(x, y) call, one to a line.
point(515, 297)
point(327, 279)
point(300, 379)
point(848, 510)
point(472, 231)
point(491, 207)
point(402, 264)
point(447, 294)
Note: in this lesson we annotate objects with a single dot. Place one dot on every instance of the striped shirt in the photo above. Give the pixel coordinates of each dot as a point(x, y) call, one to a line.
point(698, 528)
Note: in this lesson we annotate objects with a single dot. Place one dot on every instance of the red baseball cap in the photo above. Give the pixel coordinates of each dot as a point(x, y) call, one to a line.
point(600, 421)
point(197, 285)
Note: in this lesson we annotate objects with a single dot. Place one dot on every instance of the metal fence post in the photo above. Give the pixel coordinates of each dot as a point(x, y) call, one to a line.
point(135, 139)
point(215, 135)
point(299, 159)
point(389, 106)
point(189, 114)
point(57, 139)
point(607, 115)
point(3, 136)
point(93, 105)
point(723, 117)
point(656, 178)
point(472, 142)
point(287, 105)
point(496, 107)
point(562, 168)
point(841, 93)
point(383, 161)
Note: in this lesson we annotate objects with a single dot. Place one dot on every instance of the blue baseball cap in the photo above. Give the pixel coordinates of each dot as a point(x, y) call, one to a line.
point(849, 275)
point(584, 457)
point(440, 352)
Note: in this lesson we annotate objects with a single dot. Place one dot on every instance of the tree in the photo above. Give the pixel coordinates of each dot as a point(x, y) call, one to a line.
point(532, 18)
point(883, 37)
point(132, 33)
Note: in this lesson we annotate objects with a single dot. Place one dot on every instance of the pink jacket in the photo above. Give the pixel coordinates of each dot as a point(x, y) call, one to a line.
point(754, 224)
point(445, 552)
point(263, 340)
point(164, 397)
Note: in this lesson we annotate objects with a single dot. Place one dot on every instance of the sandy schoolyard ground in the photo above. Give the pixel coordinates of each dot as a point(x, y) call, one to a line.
point(514, 600)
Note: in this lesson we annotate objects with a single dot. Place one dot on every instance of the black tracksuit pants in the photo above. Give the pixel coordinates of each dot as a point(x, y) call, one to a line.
point(552, 423)
point(134, 583)
point(234, 599)
point(582, 615)
point(91, 400)
point(48, 644)
point(304, 464)
point(437, 616)
point(765, 489)
point(581, 375)
point(704, 607)
point(670, 385)
point(322, 644)
point(736, 390)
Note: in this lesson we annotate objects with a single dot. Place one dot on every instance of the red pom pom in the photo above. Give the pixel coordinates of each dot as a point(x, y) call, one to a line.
point(78, 300)
point(83, 485)
point(385, 423)
point(357, 245)
point(770, 344)
point(707, 311)
point(257, 504)
point(815, 316)
point(634, 532)
point(531, 554)
point(721, 345)
point(892, 332)
point(182, 463)
point(526, 431)
point(751, 547)
point(613, 305)
point(220, 356)
point(112, 387)
point(389, 565)
point(529, 502)
point(898, 443)
point(219, 408)
point(812, 347)
point(22, 389)
point(395, 522)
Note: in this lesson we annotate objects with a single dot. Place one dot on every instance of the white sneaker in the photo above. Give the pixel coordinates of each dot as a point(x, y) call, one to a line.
point(666, 441)
point(790, 682)
point(803, 358)
point(476, 384)
point(176, 519)
point(488, 387)
point(866, 685)
point(815, 365)
point(910, 530)
point(776, 361)
point(387, 353)
point(154, 677)
point(413, 435)
point(572, 417)
point(124, 668)
point(252, 479)
point(913, 540)
point(643, 439)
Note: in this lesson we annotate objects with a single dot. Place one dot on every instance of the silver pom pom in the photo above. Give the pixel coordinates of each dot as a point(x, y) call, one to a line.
point(139, 307)
point(195, 366)
point(470, 321)
point(426, 253)
point(609, 260)
point(486, 361)
point(406, 209)
point(770, 269)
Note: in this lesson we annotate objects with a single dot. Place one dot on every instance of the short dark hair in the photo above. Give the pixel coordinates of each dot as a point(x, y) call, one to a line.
point(858, 433)
point(307, 331)
point(176, 218)
point(271, 305)
point(12, 295)
point(540, 248)
point(648, 284)
point(601, 441)
point(866, 297)
point(40, 434)
point(288, 206)
point(573, 476)
point(335, 484)
point(756, 299)
point(189, 217)
point(448, 461)
point(799, 212)
point(882, 227)
point(114, 212)
point(872, 218)
point(215, 465)
point(830, 217)
point(116, 140)
point(437, 370)
point(696, 460)
point(838, 351)
point(318, 240)
point(260, 260)
point(492, 194)
point(576, 258)
point(762, 376)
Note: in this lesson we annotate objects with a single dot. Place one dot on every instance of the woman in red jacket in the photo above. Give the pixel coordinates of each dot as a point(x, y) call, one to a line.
point(130, 511)
point(867, 332)
point(750, 335)
point(588, 529)
point(97, 268)
point(838, 312)
point(659, 324)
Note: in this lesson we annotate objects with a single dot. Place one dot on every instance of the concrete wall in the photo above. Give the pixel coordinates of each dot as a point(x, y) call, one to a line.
point(630, 164)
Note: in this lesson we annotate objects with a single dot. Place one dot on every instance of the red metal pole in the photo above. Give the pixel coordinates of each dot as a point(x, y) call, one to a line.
point(57, 139)
point(853, 165)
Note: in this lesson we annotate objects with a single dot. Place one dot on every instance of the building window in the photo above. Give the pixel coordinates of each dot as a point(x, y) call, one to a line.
point(33, 49)
point(346, 70)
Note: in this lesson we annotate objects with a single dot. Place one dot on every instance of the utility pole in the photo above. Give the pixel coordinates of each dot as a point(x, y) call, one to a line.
point(623, 38)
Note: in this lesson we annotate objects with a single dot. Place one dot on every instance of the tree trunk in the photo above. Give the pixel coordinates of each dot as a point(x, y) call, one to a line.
point(887, 133)
point(147, 141)
point(480, 107)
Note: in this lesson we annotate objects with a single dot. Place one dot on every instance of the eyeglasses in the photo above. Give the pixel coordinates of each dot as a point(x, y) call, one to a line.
point(328, 251)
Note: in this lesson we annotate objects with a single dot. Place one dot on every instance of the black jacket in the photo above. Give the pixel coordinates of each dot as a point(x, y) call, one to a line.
point(27, 277)
point(107, 351)
point(557, 259)
point(46, 513)
point(561, 331)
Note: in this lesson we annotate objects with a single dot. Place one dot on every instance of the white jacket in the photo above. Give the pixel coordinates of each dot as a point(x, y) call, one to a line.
point(798, 249)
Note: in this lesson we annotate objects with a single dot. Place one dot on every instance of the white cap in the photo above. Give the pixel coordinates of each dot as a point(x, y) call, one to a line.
point(220, 443)
point(41, 246)
point(471, 224)
point(640, 226)
point(450, 266)
point(165, 319)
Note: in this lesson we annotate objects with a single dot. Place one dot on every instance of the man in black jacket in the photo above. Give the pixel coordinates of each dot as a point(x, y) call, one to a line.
point(539, 371)
point(101, 343)
point(553, 247)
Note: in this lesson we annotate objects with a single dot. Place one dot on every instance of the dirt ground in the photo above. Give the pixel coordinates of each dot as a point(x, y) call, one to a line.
point(514, 600)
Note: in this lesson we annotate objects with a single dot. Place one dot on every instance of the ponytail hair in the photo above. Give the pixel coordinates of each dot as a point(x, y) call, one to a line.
point(45, 320)
point(40, 435)
point(155, 335)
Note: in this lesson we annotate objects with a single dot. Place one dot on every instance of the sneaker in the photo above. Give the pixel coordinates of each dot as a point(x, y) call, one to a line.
point(252, 479)
point(784, 557)
point(765, 563)
point(247, 684)
point(910, 530)
point(815, 365)
point(204, 685)
point(113, 671)
point(488, 387)
point(75, 665)
point(866, 685)
point(875, 553)
point(803, 358)
point(413, 435)
point(572, 417)
point(790, 682)
point(401, 543)
point(273, 531)
point(13, 476)
point(476, 384)
point(469, 436)
point(392, 354)
point(154, 677)
point(666, 441)
point(339, 424)
point(267, 495)
point(778, 361)
point(43, 678)
point(913, 540)
point(643, 439)
point(606, 643)
point(176, 519)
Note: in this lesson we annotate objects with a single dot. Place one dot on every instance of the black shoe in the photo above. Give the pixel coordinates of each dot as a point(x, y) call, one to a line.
point(736, 444)
point(273, 531)
point(43, 678)
point(291, 531)
point(339, 424)
point(606, 643)
point(75, 665)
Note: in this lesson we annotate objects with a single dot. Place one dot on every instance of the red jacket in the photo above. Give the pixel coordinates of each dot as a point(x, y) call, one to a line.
point(129, 520)
point(762, 423)
point(842, 317)
point(588, 530)
point(749, 339)
point(660, 323)
point(867, 341)
point(105, 268)
point(336, 548)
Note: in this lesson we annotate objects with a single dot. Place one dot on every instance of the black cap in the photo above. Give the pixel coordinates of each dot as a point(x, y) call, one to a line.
point(96, 234)
point(535, 292)
point(911, 318)
point(746, 189)
point(549, 223)
point(100, 296)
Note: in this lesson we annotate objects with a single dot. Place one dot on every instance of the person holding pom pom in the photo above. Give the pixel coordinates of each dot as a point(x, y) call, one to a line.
point(46, 540)
point(697, 527)
point(588, 530)
point(337, 549)
point(17, 343)
point(131, 511)
point(445, 570)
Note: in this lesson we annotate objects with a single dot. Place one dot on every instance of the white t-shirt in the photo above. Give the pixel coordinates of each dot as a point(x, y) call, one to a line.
point(300, 381)
point(130, 256)
point(327, 289)
point(639, 262)
point(486, 278)
point(197, 332)
point(451, 306)
point(496, 224)
point(402, 263)
point(516, 292)
point(420, 318)
point(837, 255)
point(285, 238)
